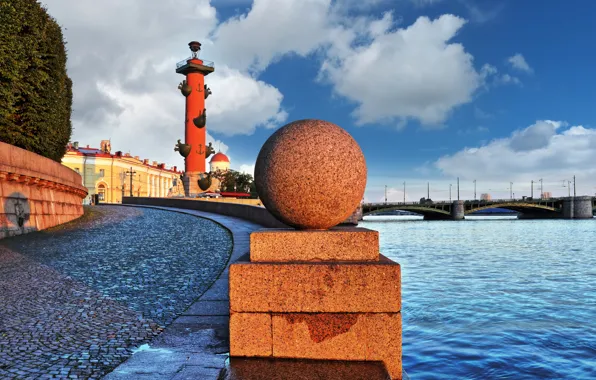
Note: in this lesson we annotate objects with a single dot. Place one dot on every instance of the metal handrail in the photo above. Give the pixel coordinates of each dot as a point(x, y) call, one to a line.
point(185, 61)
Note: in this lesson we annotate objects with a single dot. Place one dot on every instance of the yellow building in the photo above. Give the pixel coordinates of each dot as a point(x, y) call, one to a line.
point(109, 175)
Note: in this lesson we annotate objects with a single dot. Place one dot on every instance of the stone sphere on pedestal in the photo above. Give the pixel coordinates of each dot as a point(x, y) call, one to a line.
point(311, 174)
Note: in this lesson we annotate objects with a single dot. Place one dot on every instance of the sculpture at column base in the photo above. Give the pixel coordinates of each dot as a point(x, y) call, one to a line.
point(190, 181)
point(204, 181)
point(315, 292)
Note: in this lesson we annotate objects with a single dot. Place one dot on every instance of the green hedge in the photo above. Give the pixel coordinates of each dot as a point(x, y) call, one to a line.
point(35, 91)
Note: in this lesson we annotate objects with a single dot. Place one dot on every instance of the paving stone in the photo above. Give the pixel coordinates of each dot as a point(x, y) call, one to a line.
point(194, 373)
point(218, 291)
point(202, 320)
point(209, 308)
point(77, 300)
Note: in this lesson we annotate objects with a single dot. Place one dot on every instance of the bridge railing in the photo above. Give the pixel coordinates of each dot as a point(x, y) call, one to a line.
point(441, 203)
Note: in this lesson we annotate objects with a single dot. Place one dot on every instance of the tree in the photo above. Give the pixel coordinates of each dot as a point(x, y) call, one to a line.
point(35, 90)
point(232, 180)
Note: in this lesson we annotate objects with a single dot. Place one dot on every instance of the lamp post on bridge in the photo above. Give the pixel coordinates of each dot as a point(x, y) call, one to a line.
point(574, 193)
point(428, 190)
point(474, 189)
point(532, 189)
point(385, 194)
point(404, 191)
point(458, 188)
point(449, 192)
point(541, 189)
point(511, 190)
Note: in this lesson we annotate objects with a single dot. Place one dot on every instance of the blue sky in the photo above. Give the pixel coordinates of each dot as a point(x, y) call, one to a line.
point(497, 91)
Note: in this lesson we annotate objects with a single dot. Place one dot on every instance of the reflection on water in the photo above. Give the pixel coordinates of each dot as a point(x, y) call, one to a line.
point(495, 298)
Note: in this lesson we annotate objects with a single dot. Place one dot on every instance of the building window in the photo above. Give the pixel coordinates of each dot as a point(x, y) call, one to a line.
point(102, 172)
point(101, 190)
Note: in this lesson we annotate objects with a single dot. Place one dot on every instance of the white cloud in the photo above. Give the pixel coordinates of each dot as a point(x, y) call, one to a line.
point(543, 150)
point(122, 57)
point(242, 104)
point(394, 195)
point(491, 77)
point(411, 73)
point(507, 79)
point(518, 62)
point(249, 169)
point(271, 29)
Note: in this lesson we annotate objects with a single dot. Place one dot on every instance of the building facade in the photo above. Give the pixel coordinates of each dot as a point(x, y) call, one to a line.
point(220, 162)
point(109, 175)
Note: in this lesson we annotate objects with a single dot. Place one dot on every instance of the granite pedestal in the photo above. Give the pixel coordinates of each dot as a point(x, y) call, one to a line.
point(326, 295)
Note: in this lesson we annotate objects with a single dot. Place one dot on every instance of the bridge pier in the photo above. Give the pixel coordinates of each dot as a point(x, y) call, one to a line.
point(577, 208)
point(568, 208)
point(582, 207)
point(457, 210)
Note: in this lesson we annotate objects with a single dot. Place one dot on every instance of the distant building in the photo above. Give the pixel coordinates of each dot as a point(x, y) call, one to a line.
point(485, 197)
point(547, 195)
point(105, 174)
point(219, 161)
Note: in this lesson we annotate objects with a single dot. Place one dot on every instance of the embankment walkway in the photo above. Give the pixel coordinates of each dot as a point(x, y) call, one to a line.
point(196, 344)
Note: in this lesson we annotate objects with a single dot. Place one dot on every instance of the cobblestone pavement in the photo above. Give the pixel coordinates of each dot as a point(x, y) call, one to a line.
point(74, 301)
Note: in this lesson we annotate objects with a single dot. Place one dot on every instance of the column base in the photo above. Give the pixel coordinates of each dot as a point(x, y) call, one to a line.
point(191, 186)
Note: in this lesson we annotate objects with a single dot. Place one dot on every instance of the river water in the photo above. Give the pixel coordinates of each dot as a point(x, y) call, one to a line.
point(495, 298)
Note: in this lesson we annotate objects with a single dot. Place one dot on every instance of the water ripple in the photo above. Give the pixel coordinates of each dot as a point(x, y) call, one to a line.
point(507, 299)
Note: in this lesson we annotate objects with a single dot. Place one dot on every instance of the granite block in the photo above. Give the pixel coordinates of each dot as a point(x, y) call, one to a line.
point(336, 244)
point(302, 369)
point(340, 336)
point(315, 287)
point(337, 336)
point(250, 334)
point(384, 340)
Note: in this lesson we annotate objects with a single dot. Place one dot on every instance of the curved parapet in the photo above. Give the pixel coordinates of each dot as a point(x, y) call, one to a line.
point(35, 192)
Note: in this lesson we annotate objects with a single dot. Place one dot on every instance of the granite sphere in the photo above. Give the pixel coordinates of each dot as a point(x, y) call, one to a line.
point(311, 174)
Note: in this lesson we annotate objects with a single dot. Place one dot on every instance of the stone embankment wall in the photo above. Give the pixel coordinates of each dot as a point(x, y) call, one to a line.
point(255, 214)
point(254, 202)
point(252, 213)
point(35, 192)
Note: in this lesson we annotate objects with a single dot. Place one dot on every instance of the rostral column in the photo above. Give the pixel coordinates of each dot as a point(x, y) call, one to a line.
point(194, 149)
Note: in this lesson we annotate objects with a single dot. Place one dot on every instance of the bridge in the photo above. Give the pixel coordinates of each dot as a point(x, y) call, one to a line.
point(580, 207)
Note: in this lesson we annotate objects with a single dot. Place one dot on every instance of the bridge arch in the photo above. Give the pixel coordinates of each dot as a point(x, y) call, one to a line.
point(427, 212)
point(518, 207)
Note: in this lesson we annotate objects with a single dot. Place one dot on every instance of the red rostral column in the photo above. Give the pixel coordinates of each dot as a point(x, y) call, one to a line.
point(196, 92)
